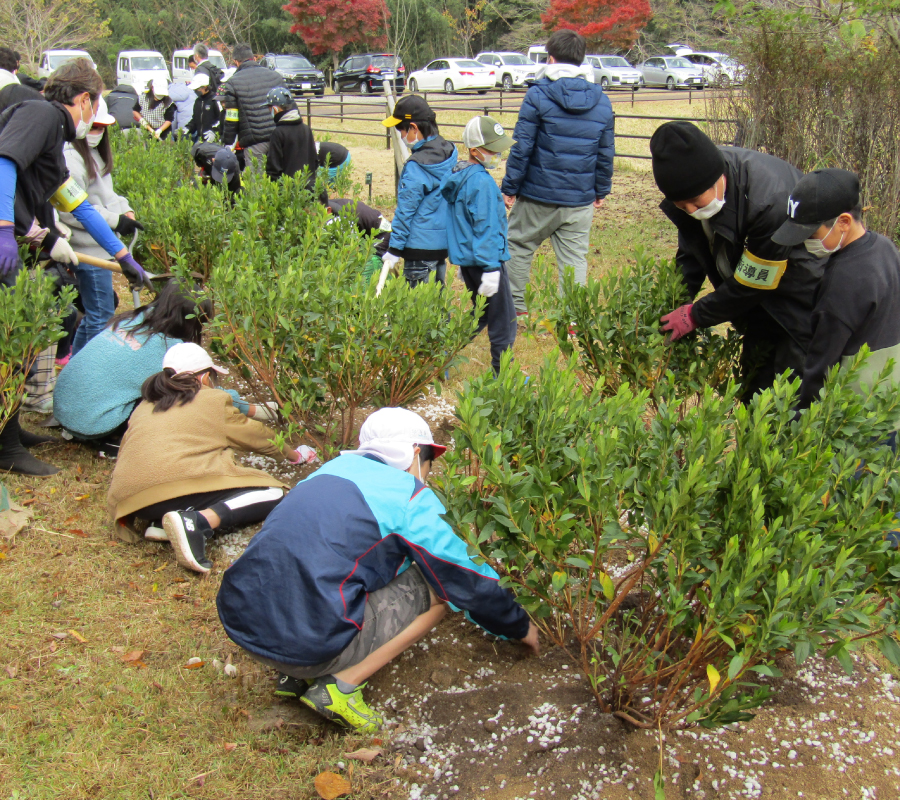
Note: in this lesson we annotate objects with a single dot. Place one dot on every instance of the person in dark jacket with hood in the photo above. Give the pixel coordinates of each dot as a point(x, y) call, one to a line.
point(292, 147)
point(353, 567)
point(203, 66)
point(419, 227)
point(120, 103)
point(726, 203)
point(560, 169)
point(477, 231)
point(247, 116)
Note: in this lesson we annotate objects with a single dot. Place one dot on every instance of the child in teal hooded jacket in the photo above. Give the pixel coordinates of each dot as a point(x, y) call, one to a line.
point(477, 231)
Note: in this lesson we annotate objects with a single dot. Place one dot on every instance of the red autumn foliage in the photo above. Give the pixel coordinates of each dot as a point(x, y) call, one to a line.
point(328, 26)
point(615, 23)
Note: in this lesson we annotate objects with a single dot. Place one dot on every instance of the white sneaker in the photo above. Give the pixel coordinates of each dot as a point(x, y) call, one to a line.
point(155, 534)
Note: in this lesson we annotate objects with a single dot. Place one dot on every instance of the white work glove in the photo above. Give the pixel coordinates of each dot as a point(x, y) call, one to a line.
point(209, 136)
point(63, 253)
point(266, 412)
point(490, 283)
point(305, 455)
point(65, 230)
point(388, 262)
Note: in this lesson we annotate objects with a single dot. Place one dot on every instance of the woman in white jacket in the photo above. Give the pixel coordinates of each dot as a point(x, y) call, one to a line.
point(90, 165)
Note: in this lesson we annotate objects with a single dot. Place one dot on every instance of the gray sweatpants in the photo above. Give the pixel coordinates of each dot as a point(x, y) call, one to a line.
point(530, 224)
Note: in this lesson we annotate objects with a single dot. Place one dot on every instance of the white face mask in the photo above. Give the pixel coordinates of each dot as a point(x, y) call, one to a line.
point(406, 141)
point(709, 211)
point(492, 161)
point(816, 247)
point(93, 139)
point(82, 128)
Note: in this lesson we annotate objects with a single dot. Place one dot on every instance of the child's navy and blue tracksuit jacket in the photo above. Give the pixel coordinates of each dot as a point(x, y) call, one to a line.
point(298, 593)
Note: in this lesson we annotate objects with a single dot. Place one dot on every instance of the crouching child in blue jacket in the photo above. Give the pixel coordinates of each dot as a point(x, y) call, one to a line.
point(419, 227)
point(353, 567)
point(476, 234)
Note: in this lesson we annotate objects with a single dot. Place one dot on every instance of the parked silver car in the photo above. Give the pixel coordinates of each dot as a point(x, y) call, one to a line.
point(719, 69)
point(671, 72)
point(614, 72)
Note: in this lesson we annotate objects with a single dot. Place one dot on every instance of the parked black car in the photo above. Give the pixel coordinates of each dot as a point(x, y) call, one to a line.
point(299, 74)
point(366, 73)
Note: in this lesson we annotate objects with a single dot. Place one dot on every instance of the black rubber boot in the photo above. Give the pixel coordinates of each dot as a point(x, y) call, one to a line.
point(15, 458)
point(29, 439)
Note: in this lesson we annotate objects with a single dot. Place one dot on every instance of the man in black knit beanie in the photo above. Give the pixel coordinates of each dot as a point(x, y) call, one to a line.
point(726, 203)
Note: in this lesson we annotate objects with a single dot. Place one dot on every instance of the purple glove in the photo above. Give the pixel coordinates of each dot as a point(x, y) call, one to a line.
point(9, 250)
point(679, 322)
point(133, 271)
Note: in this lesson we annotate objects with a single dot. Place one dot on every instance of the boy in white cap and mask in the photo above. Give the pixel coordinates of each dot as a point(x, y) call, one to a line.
point(354, 567)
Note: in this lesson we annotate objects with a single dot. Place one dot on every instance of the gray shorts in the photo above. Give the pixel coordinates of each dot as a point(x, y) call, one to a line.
point(389, 610)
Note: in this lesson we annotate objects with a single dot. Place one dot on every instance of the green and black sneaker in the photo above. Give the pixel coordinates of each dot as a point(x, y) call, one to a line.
point(348, 710)
point(290, 687)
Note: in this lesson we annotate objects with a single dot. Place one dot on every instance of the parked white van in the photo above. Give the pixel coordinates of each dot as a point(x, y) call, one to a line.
point(538, 54)
point(139, 67)
point(182, 72)
point(51, 59)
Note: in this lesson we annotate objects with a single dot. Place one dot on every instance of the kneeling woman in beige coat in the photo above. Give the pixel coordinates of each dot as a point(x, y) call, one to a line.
point(176, 461)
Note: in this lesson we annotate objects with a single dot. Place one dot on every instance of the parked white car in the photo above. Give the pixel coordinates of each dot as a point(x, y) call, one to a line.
point(720, 69)
point(513, 69)
point(51, 59)
point(672, 72)
point(613, 72)
point(138, 67)
point(453, 75)
point(182, 72)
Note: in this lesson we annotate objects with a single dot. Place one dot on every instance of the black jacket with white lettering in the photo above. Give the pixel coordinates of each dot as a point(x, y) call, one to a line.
point(858, 303)
point(757, 187)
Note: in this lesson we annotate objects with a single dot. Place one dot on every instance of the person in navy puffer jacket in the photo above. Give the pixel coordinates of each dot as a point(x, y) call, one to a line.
point(419, 227)
point(560, 170)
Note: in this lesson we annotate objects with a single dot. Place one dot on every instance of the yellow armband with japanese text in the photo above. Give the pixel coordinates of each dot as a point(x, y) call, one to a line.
point(68, 196)
point(232, 115)
point(759, 273)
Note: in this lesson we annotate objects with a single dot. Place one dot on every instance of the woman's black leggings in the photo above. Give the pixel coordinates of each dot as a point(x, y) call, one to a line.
point(235, 507)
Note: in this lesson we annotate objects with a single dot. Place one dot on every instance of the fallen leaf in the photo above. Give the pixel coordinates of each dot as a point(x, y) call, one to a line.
point(78, 636)
point(12, 670)
point(330, 785)
point(181, 597)
point(229, 746)
point(117, 649)
point(59, 635)
point(160, 569)
point(80, 496)
point(367, 754)
point(133, 655)
point(78, 532)
point(195, 665)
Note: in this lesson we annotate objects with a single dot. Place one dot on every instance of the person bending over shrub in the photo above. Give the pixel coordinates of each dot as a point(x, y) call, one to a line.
point(99, 388)
point(178, 455)
point(354, 567)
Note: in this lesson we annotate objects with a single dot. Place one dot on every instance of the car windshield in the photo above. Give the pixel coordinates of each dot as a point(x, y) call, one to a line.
point(679, 63)
point(386, 62)
point(292, 62)
point(58, 61)
point(617, 61)
point(516, 60)
point(469, 64)
point(218, 61)
point(147, 62)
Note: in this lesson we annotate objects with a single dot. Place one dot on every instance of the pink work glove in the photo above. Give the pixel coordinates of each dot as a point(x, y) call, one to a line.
point(679, 322)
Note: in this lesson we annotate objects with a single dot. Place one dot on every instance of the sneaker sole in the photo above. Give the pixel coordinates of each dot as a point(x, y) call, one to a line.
point(178, 537)
point(367, 726)
point(154, 534)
